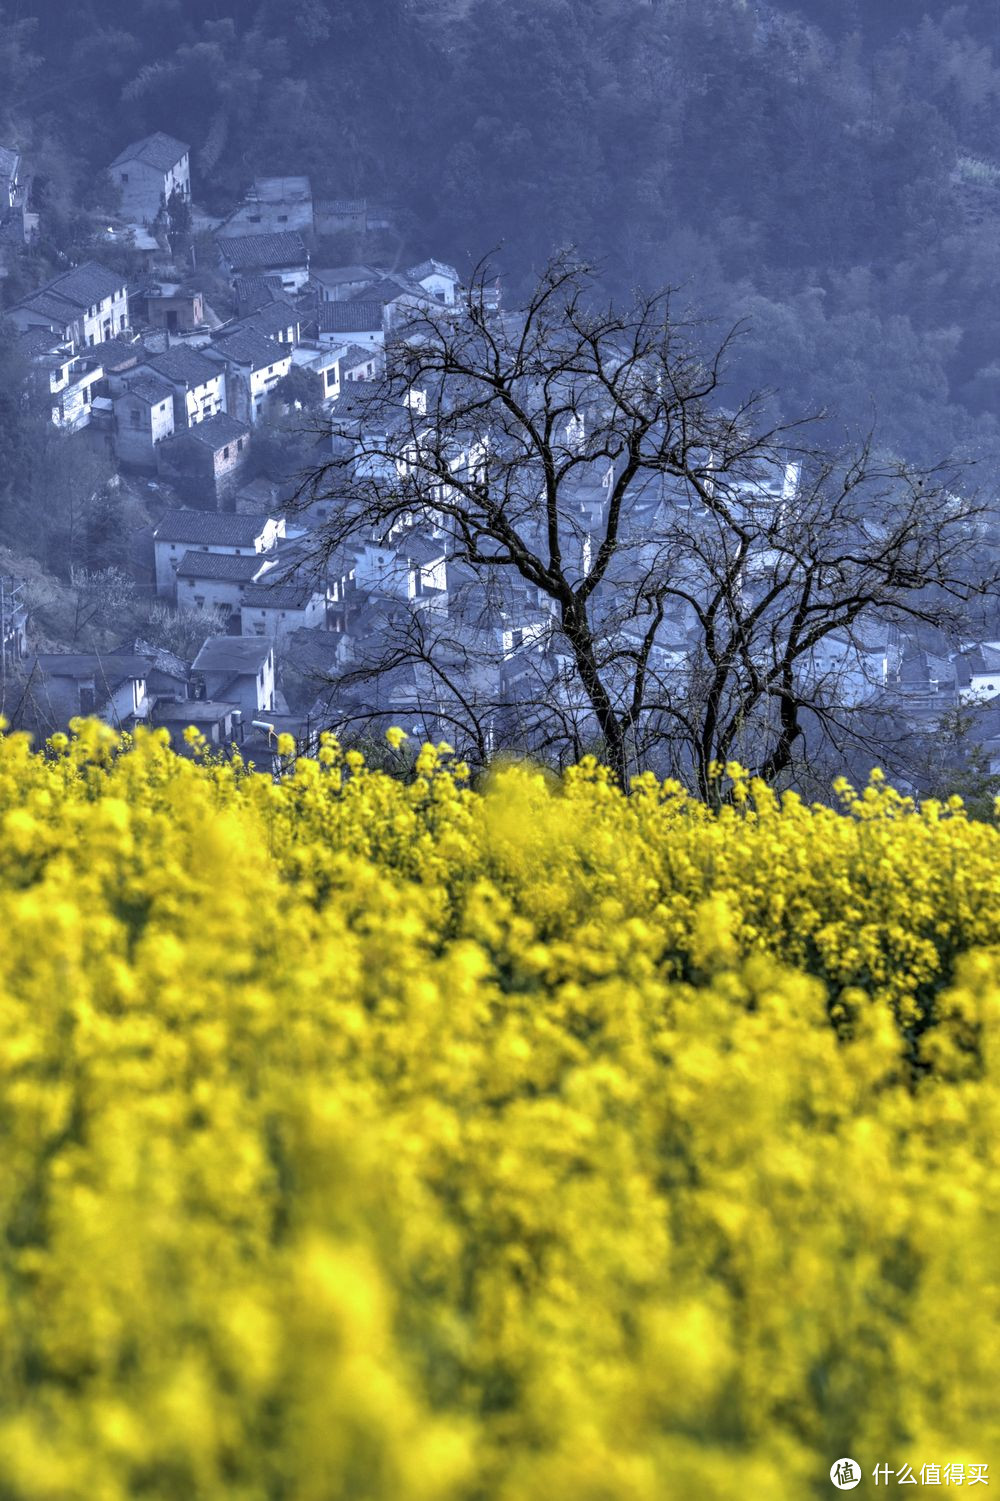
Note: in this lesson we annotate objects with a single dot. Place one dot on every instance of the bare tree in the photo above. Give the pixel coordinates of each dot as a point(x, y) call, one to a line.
point(707, 579)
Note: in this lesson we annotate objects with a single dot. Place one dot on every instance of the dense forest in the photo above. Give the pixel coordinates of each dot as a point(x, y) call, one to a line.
point(829, 172)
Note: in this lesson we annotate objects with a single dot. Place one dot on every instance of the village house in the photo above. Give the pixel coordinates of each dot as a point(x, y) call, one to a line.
point(167, 675)
point(183, 531)
point(334, 215)
point(86, 305)
point(219, 724)
point(216, 581)
point(283, 255)
point(199, 386)
point(402, 300)
point(439, 280)
point(338, 283)
point(356, 323)
point(207, 462)
point(276, 320)
point(148, 173)
point(273, 205)
point(323, 368)
point(67, 383)
point(118, 359)
point(275, 608)
point(253, 365)
point(254, 292)
point(359, 363)
point(426, 563)
point(854, 667)
point(236, 669)
point(170, 306)
point(143, 419)
point(978, 672)
point(110, 685)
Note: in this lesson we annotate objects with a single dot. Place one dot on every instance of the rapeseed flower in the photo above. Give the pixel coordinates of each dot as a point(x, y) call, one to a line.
point(384, 1139)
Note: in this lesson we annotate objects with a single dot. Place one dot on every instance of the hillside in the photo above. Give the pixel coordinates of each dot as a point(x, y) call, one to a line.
point(523, 1143)
point(798, 166)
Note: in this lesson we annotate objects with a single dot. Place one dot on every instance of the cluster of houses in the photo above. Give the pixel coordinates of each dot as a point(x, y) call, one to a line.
point(229, 685)
point(175, 389)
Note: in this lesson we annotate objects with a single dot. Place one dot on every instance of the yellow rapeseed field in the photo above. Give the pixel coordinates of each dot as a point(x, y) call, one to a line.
point(365, 1141)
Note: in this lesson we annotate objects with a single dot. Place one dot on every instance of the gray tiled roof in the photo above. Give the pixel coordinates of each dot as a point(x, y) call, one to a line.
point(254, 292)
point(218, 565)
point(215, 432)
point(279, 596)
point(9, 162)
point(75, 290)
point(160, 659)
point(390, 289)
point(107, 668)
point(114, 354)
point(157, 150)
point(192, 711)
point(247, 346)
point(88, 284)
point(273, 318)
point(36, 341)
point(222, 528)
point(242, 654)
point(433, 268)
point(349, 317)
point(184, 366)
point(357, 354)
point(258, 252)
point(149, 388)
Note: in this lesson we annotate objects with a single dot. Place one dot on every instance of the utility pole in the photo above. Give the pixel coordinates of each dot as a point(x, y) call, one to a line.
point(10, 600)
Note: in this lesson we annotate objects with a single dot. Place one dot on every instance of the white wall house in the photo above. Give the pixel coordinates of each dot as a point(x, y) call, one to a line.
point(437, 278)
point(198, 384)
point(74, 395)
point(846, 671)
point(279, 255)
point(339, 283)
point(143, 419)
point(148, 173)
point(981, 665)
point(111, 685)
point(221, 532)
point(254, 365)
point(215, 581)
point(359, 324)
point(237, 669)
point(381, 570)
point(273, 205)
point(276, 609)
point(86, 305)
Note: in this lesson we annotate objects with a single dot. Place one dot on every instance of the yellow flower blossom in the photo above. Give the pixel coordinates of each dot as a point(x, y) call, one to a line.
point(376, 1138)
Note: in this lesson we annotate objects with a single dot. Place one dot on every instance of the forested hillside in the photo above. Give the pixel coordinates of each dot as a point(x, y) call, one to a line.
point(824, 170)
